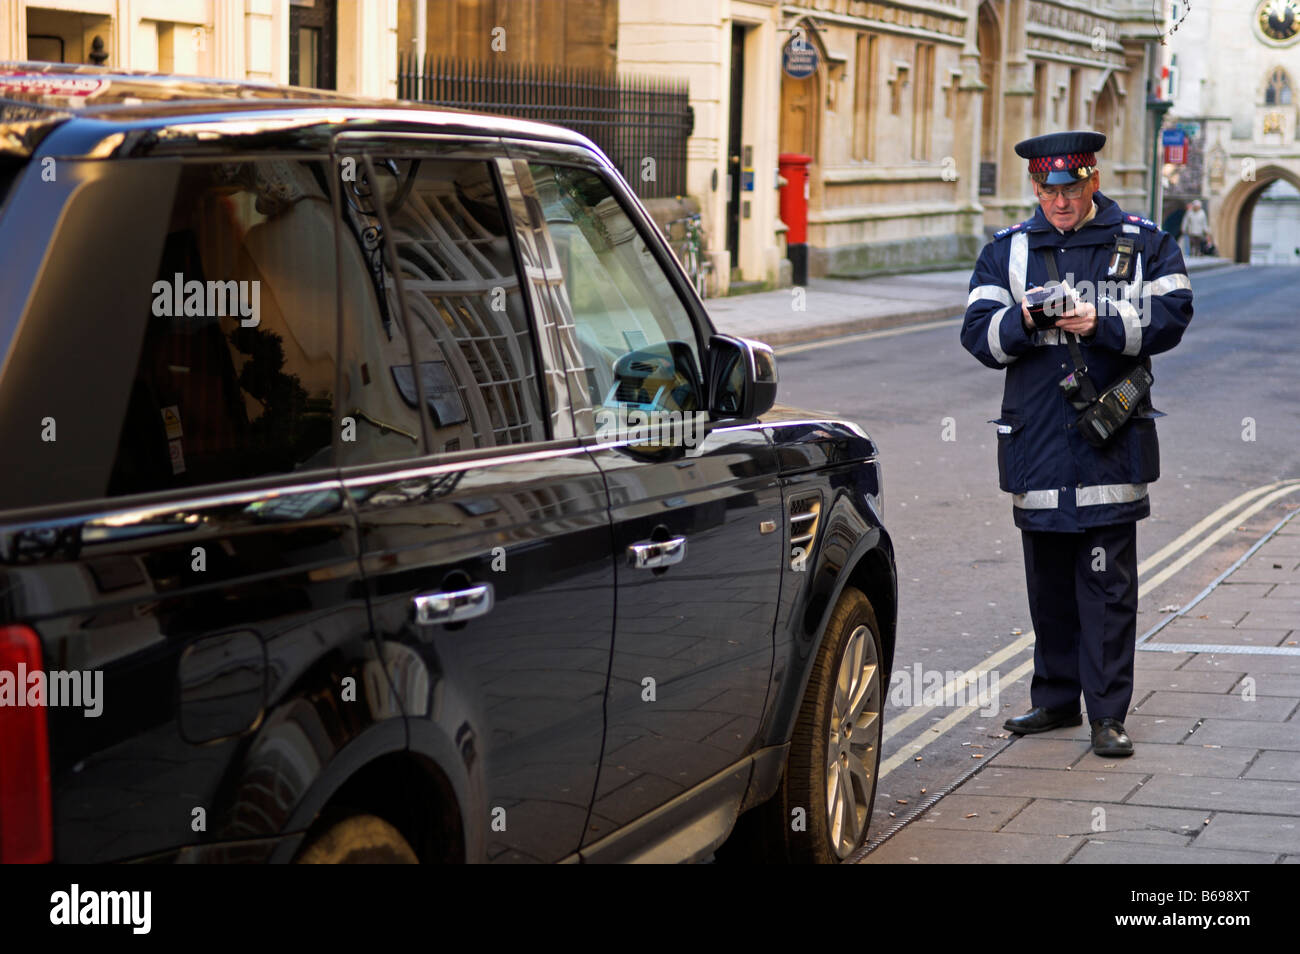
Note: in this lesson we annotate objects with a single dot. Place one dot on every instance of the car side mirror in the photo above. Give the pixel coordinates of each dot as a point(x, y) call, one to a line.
point(741, 377)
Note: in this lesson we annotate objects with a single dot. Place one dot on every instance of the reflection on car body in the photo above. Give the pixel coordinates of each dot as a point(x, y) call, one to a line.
point(373, 569)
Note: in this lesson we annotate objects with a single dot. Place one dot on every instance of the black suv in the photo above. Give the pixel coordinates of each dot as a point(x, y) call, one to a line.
point(376, 488)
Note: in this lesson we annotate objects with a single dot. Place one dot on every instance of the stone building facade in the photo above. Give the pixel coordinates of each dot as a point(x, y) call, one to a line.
point(349, 45)
point(1235, 66)
point(909, 115)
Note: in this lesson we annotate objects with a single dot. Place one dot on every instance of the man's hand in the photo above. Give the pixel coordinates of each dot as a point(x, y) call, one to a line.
point(1081, 319)
point(1024, 310)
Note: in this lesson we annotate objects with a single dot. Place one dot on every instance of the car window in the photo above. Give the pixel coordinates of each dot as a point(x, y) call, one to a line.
point(235, 376)
point(635, 336)
point(472, 340)
point(376, 405)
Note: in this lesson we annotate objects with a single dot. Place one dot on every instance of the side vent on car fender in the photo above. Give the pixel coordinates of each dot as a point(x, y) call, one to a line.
point(805, 520)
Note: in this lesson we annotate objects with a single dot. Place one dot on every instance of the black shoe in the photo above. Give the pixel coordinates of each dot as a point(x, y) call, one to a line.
point(1110, 739)
point(1040, 719)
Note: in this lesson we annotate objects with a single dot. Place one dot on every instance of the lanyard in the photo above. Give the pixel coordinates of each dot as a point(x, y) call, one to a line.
point(1086, 388)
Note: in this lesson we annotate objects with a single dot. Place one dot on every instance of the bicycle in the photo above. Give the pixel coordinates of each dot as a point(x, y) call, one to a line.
point(691, 250)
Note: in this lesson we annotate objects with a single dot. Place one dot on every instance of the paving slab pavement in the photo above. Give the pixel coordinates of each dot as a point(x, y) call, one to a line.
point(1215, 776)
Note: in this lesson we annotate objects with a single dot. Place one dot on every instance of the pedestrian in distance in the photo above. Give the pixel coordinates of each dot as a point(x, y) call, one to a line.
point(1077, 444)
point(1196, 227)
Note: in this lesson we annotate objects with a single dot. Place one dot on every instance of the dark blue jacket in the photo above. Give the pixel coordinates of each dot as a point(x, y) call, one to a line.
point(1059, 481)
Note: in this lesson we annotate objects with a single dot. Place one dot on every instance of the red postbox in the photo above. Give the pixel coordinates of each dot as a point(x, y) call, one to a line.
point(794, 211)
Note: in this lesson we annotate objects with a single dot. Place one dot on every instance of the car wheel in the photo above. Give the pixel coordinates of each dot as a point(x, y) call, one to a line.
point(358, 840)
point(822, 810)
point(835, 752)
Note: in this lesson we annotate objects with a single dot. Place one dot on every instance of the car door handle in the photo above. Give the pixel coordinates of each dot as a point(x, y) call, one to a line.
point(653, 554)
point(452, 606)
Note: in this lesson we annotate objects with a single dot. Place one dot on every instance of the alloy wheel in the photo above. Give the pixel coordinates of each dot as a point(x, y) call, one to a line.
point(854, 738)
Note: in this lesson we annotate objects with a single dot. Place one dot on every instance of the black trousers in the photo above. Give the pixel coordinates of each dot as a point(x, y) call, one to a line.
point(1083, 598)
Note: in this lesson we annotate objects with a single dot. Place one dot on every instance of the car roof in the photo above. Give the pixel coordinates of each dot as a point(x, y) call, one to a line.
point(35, 98)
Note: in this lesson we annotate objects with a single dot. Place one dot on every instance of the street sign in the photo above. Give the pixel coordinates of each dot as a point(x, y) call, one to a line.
point(799, 57)
point(1175, 143)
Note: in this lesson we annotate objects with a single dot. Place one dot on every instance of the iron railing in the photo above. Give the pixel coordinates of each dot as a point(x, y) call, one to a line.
point(640, 122)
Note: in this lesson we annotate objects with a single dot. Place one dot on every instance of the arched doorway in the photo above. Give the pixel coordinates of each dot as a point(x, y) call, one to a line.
point(799, 109)
point(801, 115)
point(1233, 223)
point(1107, 117)
point(1275, 225)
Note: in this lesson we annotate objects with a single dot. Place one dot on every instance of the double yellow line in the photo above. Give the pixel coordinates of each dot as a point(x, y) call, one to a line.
point(1219, 524)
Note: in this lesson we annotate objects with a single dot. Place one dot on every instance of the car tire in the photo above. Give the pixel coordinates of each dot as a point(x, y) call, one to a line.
point(808, 821)
point(358, 840)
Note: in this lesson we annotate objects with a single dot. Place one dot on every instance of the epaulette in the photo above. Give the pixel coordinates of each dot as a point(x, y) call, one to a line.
point(1138, 220)
point(1003, 233)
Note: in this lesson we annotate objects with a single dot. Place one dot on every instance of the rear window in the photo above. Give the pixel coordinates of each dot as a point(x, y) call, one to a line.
point(198, 302)
point(236, 370)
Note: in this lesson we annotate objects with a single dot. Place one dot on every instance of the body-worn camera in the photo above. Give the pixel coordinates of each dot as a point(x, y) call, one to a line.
point(1121, 258)
point(1047, 305)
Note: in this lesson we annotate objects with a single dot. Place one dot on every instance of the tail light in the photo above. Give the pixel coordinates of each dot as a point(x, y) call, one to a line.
point(26, 829)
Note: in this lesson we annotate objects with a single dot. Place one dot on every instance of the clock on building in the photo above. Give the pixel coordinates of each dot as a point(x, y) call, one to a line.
point(1278, 20)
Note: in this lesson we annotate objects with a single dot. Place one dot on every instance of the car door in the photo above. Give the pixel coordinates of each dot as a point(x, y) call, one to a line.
point(190, 550)
point(695, 505)
point(484, 523)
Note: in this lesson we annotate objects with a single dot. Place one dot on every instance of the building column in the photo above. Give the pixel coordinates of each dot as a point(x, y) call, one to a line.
point(1017, 108)
point(970, 125)
point(280, 42)
point(228, 41)
point(121, 38)
point(367, 48)
point(421, 33)
point(1136, 121)
point(261, 40)
point(760, 256)
point(13, 31)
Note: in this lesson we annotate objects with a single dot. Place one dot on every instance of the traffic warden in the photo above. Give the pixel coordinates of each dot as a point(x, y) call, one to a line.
point(1077, 443)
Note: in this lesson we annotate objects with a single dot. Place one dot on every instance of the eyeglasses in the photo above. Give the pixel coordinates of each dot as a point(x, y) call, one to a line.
point(1070, 192)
